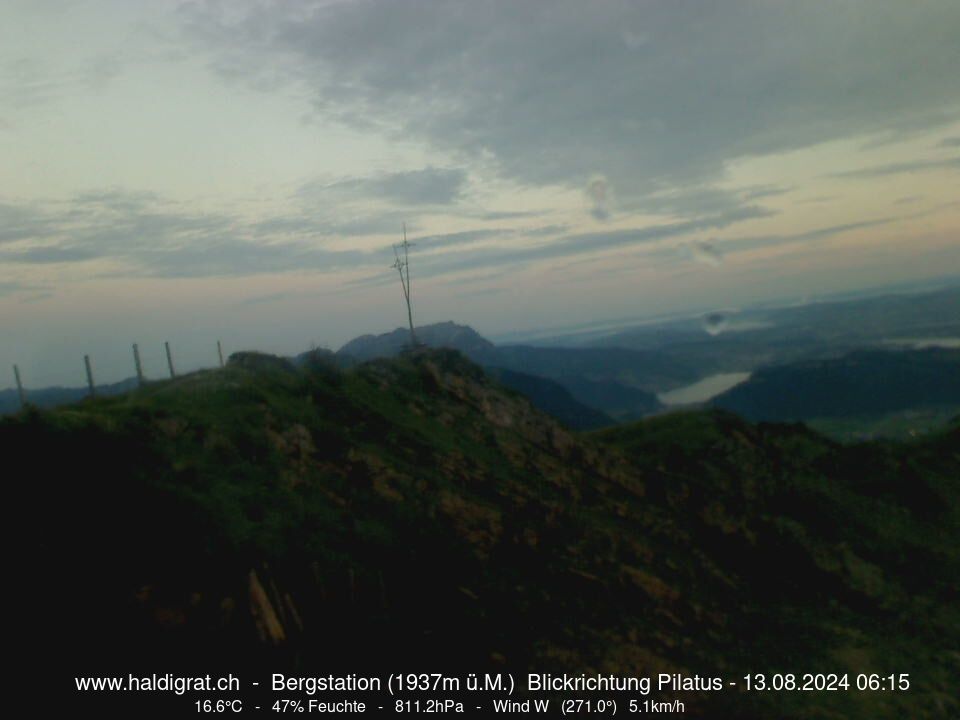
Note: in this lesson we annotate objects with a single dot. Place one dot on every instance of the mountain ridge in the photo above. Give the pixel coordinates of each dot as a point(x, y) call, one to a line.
point(612, 382)
point(865, 381)
point(415, 506)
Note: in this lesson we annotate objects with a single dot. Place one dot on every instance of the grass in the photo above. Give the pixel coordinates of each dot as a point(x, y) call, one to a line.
point(412, 509)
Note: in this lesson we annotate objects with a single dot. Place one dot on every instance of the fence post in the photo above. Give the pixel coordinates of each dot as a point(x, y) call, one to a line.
point(220, 352)
point(169, 360)
point(20, 392)
point(136, 361)
point(93, 390)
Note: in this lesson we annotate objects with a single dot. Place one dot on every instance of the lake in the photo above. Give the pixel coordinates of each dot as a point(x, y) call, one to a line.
point(703, 389)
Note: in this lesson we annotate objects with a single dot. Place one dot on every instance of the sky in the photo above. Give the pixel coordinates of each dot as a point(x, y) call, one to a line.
point(239, 170)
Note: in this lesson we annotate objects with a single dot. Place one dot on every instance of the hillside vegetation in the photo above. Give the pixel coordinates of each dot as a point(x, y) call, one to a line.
point(412, 509)
point(866, 382)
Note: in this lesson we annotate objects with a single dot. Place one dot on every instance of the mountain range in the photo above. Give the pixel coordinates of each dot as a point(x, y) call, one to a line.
point(269, 517)
point(862, 382)
point(583, 387)
point(53, 396)
point(851, 383)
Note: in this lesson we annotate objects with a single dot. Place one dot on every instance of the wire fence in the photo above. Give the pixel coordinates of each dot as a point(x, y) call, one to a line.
point(23, 395)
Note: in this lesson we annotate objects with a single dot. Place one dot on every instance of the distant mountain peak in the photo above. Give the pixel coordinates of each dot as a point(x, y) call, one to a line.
point(439, 335)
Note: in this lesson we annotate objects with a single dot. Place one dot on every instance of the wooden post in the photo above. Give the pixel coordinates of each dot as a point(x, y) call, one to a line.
point(93, 389)
point(169, 360)
point(220, 352)
point(20, 392)
point(136, 362)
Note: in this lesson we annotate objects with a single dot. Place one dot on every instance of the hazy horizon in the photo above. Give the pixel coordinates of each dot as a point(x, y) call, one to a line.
point(195, 171)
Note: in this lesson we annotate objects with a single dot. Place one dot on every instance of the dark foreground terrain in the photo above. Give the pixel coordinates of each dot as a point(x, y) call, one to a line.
point(412, 514)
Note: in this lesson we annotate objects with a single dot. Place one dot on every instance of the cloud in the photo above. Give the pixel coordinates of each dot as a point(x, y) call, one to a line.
point(655, 94)
point(268, 298)
point(232, 257)
point(427, 186)
point(149, 236)
point(28, 82)
point(819, 199)
point(733, 245)
point(694, 201)
point(350, 224)
point(12, 287)
point(448, 240)
point(483, 292)
point(162, 240)
point(45, 255)
point(117, 199)
point(144, 234)
point(907, 199)
point(510, 214)
point(36, 298)
point(902, 168)
point(25, 82)
point(22, 222)
point(949, 142)
point(579, 244)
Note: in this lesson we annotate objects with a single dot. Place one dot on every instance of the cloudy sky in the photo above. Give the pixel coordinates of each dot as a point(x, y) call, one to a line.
point(236, 169)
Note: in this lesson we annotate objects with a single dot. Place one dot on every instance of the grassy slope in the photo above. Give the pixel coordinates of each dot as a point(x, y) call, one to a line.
point(901, 425)
point(412, 509)
point(848, 553)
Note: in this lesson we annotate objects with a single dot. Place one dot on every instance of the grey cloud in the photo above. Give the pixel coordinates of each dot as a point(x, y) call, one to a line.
point(370, 223)
point(544, 231)
point(36, 297)
point(98, 71)
point(733, 245)
point(763, 191)
point(117, 199)
point(287, 225)
point(701, 200)
point(582, 243)
point(27, 82)
point(164, 241)
point(447, 240)
point(269, 298)
point(44, 255)
point(483, 292)
point(476, 277)
point(427, 186)
point(900, 168)
point(818, 199)
point(153, 238)
point(10, 287)
point(467, 237)
point(230, 257)
point(23, 222)
point(510, 215)
point(949, 142)
point(651, 94)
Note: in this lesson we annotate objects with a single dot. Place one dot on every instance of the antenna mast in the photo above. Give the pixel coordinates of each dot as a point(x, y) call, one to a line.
point(402, 266)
